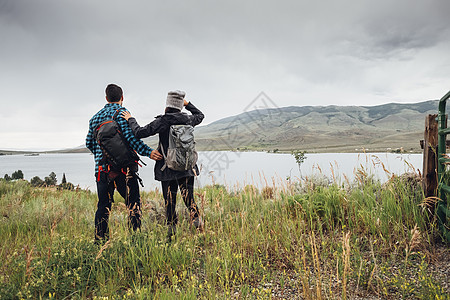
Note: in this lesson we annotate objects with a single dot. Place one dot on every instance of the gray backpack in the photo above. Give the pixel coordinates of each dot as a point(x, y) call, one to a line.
point(181, 154)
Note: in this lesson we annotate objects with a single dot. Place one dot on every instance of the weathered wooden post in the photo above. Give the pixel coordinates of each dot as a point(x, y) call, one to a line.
point(430, 143)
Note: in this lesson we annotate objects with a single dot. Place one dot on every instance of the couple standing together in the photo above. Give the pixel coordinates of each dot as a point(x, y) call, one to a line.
point(126, 181)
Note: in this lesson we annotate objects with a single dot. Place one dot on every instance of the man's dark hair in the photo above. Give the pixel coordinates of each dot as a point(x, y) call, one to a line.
point(113, 93)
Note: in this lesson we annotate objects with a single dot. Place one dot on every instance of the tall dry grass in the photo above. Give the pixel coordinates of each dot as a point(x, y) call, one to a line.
point(314, 240)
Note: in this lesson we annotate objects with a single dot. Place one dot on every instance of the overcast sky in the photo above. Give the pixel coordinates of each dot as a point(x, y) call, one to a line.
point(56, 58)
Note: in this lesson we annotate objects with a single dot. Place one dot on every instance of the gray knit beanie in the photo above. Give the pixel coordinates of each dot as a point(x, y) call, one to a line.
point(175, 99)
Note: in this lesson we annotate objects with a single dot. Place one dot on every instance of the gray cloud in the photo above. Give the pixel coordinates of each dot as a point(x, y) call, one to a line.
point(57, 57)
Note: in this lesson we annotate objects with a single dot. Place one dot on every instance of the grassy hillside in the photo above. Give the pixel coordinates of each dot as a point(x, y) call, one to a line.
point(321, 129)
point(309, 240)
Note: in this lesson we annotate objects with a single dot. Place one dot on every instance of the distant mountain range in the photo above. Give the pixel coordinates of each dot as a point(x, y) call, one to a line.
point(316, 129)
point(321, 128)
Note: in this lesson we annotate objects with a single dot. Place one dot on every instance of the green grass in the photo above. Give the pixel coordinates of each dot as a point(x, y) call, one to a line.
point(308, 240)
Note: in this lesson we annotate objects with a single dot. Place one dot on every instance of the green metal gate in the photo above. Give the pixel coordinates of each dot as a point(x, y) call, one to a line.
point(442, 209)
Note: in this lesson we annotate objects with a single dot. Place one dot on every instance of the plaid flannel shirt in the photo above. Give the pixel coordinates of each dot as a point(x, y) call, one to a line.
point(104, 114)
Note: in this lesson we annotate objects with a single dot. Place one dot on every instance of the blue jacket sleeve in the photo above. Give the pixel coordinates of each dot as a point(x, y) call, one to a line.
point(90, 140)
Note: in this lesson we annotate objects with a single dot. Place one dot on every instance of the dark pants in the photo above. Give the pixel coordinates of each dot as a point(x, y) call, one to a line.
point(128, 187)
point(170, 189)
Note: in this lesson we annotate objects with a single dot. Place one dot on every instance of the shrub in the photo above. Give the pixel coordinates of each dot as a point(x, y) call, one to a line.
point(66, 186)
point(17, 175)
point(36, 181)
point(50, 179)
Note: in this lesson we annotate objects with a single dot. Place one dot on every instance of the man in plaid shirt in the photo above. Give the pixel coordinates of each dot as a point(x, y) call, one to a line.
point(125, 181)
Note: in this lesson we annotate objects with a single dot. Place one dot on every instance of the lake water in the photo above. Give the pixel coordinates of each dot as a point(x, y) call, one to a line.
point(234, 169)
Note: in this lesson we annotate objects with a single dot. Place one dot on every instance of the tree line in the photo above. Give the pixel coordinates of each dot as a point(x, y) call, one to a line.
point(50, 180)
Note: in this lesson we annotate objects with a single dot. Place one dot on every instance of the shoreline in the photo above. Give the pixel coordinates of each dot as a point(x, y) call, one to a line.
point(349, 149)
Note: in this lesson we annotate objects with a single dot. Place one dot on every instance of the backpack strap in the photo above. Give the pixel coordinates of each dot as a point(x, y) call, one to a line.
point(165, 157)
point(116, 113)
